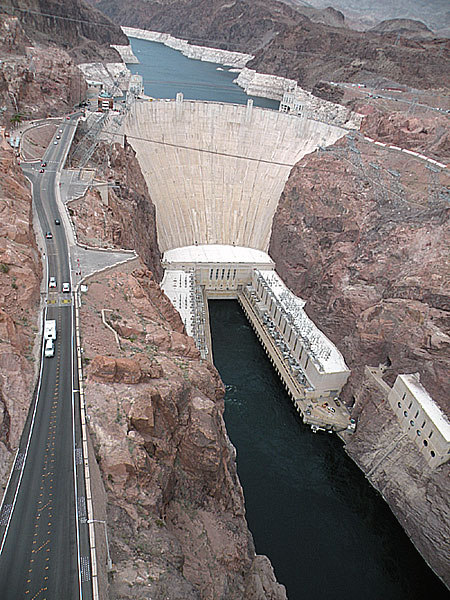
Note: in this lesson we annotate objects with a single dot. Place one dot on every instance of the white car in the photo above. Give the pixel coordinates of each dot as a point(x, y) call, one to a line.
point(52, 282)
point(66, 287)
point(49, 349)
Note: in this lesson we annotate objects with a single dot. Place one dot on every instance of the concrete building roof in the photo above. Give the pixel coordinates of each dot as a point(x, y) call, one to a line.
point(321, 349)
point(217, 253)
point(429, 406)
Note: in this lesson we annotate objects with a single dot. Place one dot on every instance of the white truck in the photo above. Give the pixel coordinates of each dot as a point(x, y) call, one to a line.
point(50, 329)
point(49, 338)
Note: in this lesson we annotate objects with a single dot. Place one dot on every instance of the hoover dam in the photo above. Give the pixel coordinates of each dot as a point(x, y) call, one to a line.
point(216, 171)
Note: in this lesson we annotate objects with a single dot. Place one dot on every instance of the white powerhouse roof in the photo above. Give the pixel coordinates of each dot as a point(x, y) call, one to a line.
point(427, 403)
point(217, 253)
point(320, 348)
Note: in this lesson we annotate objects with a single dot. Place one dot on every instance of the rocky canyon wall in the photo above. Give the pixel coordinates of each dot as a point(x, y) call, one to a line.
point(34, 81)
point(20, 277)
point(362, 234)
point(75, 26)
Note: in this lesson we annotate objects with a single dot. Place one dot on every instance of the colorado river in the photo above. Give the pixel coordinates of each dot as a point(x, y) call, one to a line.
point(310, 509)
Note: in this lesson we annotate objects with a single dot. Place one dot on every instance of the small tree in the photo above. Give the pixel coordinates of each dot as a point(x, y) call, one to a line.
point(17, 118)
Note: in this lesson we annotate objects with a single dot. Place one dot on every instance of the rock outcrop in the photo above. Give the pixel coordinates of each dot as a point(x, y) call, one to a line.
point(127, 219)
point(76, 26)
point(362, 234)
point(175, 506)
point(34, 81)
point(20, 275)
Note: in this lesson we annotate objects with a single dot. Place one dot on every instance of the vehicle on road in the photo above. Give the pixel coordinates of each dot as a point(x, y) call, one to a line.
point(57, 222)
point(60, 131)
point(50, 329)
point(44, 164)
point(58, 137)
point(55, 142)
point(66, 287)
point(52, 282)
point(49, 349)
point(41, 170)
point(48, 235)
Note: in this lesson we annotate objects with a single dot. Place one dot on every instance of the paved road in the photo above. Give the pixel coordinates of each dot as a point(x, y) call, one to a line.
point(43, 530)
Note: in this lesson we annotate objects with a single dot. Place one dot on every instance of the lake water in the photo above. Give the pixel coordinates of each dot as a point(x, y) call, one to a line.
point(328, 534)
point(167, 71)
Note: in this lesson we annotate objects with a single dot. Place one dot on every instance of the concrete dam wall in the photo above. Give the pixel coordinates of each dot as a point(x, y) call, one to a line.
point(216, 171)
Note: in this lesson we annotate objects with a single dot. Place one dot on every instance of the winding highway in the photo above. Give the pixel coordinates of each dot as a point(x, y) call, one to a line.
point(44, 543)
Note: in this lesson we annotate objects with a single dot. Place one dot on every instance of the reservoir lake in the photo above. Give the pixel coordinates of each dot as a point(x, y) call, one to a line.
point(327, 532)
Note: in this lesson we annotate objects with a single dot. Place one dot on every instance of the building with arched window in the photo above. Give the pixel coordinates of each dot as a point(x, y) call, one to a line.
point(421, 418)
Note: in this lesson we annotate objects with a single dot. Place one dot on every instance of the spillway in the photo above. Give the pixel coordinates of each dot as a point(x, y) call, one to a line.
point(216, 171)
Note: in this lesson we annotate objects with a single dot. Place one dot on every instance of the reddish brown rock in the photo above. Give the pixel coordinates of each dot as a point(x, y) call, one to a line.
point(128, 218)
point(20, 274)
point(175, 505)
point(364, 238)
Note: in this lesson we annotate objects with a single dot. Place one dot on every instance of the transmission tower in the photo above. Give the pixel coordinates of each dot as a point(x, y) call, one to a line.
point(380, 191)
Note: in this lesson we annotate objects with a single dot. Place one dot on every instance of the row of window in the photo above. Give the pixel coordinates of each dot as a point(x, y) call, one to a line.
point(412, 422)
point(418, 431)
point(211, 273)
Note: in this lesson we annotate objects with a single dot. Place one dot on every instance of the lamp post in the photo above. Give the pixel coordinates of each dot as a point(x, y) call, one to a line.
point(106, 537)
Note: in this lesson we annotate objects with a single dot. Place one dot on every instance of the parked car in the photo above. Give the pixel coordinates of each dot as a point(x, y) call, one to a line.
point(55, 142)
point(44, 164)
point(41, 171)
point(58, 137)
point(49, 235)
point(66, 287)
point(52, 282)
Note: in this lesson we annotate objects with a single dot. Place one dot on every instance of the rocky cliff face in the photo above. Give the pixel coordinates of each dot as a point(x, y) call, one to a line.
point(417, 495)
point(20, 275)
point(34, 82)
point(175, 505)
point(362, 234)
point(128, 220)
point(75, 26)
point(288, 43)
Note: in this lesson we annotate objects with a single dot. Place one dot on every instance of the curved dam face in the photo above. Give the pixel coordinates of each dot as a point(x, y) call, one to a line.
point(216, 171)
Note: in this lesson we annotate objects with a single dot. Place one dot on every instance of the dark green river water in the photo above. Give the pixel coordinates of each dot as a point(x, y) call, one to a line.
point(328, 534)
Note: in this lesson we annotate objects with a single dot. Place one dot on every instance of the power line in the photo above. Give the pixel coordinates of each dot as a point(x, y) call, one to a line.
point(55, 16)
point(183, 147)
point(110, 25)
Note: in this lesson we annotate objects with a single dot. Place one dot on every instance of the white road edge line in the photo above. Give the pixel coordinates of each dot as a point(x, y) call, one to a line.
point(30, 433)
point(77, 516)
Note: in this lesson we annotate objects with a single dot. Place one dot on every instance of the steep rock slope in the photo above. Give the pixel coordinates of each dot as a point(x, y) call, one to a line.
point(20, 274)
point(34, 82)
point(175, 505)
point(288, 43)
point(128, 220)
point(76, 26)
point(362, 234)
